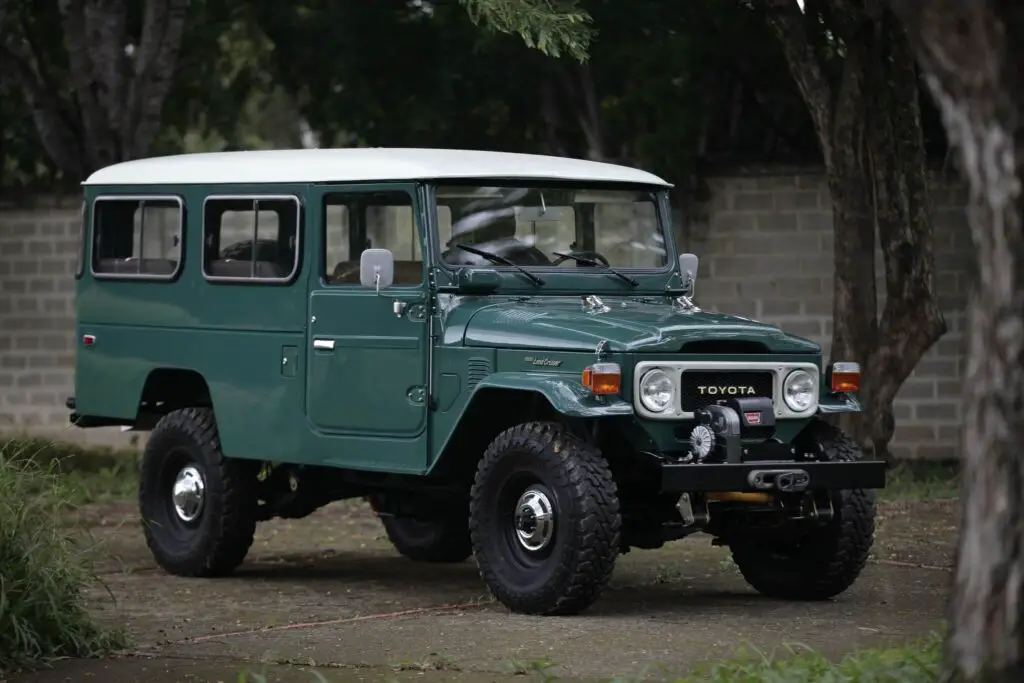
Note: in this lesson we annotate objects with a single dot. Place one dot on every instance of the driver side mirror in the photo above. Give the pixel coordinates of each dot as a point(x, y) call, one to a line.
point(376, 268)
point(688, 264)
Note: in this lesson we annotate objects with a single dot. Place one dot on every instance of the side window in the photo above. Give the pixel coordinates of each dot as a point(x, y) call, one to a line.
point(377, 220)
point(251, 239)
point(137, 237)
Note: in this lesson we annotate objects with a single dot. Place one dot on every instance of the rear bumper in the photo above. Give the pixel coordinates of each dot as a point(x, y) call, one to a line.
point(773, 477)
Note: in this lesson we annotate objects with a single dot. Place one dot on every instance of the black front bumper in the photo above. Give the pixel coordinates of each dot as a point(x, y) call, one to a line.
point(773, 476)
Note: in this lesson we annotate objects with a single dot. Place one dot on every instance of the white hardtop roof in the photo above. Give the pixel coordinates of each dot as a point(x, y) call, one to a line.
point(356, 164)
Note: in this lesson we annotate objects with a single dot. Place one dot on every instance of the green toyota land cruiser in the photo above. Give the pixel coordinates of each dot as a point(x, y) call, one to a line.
point(500, 352)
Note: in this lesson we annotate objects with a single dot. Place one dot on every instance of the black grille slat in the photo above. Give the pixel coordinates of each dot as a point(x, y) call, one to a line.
point(691, 397)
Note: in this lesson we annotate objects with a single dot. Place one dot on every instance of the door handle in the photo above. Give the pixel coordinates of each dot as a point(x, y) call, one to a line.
point(323, 344)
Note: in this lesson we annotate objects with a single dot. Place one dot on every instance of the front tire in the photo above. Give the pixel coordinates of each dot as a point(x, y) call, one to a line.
point(198, 507)
point(544, 520)
point(824, 561)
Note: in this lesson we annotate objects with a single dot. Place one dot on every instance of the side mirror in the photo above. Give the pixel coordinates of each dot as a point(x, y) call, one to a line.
point(376, 268)
point(688, 264)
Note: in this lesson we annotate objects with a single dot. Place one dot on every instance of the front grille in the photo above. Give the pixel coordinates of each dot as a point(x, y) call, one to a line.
point(717, 384)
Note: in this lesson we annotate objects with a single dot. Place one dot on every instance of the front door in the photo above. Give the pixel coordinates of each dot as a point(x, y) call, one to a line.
point(366, 384)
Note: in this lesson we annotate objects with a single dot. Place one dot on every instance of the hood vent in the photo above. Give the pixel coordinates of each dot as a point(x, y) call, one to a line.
point(724, 346)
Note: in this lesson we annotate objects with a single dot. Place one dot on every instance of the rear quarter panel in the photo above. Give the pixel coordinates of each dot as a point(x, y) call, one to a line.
point(234, 335)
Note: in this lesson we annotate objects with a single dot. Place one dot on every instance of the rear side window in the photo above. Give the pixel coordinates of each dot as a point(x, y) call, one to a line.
point(137, 237)
point(251, 239)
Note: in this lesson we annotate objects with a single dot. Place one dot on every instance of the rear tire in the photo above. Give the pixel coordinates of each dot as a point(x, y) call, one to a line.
point(443, 540)
point(198, 507)
point(544, 520)
point(824, 561)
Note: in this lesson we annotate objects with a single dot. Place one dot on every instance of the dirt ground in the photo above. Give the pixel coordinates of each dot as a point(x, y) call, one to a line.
point(328, 593)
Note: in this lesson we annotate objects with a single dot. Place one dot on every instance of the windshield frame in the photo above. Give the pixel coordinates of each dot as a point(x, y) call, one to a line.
point(561, 278)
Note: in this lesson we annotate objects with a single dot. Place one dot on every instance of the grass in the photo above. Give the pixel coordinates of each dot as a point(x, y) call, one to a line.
point(913, 480)
point(919, 662)
point(43, 570)
point(89, 474)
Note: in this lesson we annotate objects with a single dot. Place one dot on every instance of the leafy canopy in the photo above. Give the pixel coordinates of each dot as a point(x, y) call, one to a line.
point(550, 26)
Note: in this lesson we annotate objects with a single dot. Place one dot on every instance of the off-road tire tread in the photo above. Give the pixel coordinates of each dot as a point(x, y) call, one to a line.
point(452, 544)
point(582, 470)
point(223, 550)
point(842, 556)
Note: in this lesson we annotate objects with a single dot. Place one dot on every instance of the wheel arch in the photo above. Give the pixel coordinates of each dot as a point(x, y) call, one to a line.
point(505, 399)
point(167, 389)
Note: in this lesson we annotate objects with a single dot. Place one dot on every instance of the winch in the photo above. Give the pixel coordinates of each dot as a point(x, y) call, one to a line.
point(722, 426)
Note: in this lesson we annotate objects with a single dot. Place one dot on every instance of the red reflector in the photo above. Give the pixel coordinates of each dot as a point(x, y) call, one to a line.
point(752, 418)
point(88, 339)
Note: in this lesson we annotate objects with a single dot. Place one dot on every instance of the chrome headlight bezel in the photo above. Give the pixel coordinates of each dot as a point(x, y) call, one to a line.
point(811, 390)
point(658, 374)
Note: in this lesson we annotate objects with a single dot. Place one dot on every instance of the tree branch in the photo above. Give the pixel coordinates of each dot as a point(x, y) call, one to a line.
point(54, 134)
point(786, 19)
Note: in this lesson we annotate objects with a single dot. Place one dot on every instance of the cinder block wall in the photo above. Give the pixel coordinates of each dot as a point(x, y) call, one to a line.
point(765, 242)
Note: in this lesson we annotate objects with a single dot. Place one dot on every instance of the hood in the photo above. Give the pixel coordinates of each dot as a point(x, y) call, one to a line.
point(628, 325)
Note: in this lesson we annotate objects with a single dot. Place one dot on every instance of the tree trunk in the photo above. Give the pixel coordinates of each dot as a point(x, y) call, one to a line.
point(971, 53)
point(869, 126)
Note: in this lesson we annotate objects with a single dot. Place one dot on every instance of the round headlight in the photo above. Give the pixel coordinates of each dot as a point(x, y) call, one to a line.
point(657, 391)
point(799, 391)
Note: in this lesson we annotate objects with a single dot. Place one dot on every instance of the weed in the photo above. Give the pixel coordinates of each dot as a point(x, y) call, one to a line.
point(43, 571)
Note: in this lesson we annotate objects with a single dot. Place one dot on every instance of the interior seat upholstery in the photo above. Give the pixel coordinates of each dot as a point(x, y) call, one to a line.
point(406, 273)
point(132, 265)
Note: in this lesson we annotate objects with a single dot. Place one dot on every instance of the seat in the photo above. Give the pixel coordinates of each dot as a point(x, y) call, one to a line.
point(232, 268)
point(137, 266)
point(405, 273)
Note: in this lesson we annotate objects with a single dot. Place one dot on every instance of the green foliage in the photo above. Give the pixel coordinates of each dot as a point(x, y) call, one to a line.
point(550, 26)
point(43, 571)
point(916, 663)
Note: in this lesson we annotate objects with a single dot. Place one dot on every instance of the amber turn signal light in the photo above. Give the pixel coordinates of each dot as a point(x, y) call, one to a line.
point(845, 378)
point(603, 378)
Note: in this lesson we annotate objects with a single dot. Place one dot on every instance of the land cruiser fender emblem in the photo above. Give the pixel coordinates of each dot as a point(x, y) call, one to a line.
point(542, 362)
point(602, 349)
point(784, 481)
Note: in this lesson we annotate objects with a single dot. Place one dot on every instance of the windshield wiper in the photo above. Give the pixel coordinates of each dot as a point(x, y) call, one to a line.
point(590, 262)
point(494, 258)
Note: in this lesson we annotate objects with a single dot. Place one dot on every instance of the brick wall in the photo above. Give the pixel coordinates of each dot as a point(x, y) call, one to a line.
point(765, 243)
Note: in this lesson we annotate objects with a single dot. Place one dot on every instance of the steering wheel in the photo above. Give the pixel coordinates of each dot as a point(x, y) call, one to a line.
point(587, 254)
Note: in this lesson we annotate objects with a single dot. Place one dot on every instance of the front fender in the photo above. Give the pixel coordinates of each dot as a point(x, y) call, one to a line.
point(830, 404)
point(568, 396)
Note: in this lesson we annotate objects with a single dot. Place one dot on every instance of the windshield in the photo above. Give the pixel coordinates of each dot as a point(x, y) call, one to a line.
point(550, 226)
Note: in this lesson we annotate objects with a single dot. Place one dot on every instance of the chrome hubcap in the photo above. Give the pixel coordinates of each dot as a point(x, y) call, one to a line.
point(535, 520)
point(188, 494)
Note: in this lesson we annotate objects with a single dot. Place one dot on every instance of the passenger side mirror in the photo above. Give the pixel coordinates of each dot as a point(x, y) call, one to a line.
point(376, 268)
point(688, 264)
